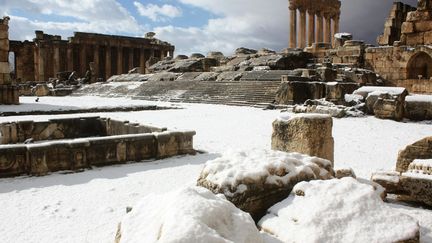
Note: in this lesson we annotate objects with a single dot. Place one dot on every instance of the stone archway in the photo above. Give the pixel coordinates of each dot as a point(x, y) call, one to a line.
point(420, 65)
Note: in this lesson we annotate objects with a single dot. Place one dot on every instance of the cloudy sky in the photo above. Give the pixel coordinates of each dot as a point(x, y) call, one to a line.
point(191, 25)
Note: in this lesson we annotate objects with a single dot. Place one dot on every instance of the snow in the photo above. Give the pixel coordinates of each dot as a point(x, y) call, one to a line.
point(236, 167)
point(418, 175)
point(192, 214)
point(393, 176)
point(419, 98)
point(290, 116)
point(337, 211)
point(422, 162)
point(369, 89)
point(87, 206)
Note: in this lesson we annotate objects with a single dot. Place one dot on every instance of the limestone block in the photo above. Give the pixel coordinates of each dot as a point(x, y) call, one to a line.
point(419, 150)
point(419, 16)
point(244, 177)
point(4, 67)
point(407, 27)
point(422, 26)
point(4, 45)
point(417, 188)
point(415, 39)
point(309, 134)
point(4, 35)
point(418, 109)
point(13, 161)
point(387, 107)
point(428, 38)
point(341, 173)
point(327, 74)
point(41, 90)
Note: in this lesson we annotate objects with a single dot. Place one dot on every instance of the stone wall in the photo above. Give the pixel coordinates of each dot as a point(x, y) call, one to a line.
point(75, 144)
point(8, 92)
point(417, 29)
point(403, 66)
point(393, 24)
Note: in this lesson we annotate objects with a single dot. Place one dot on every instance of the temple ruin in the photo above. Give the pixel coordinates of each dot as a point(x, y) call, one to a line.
point(322, 22)
point(104, 55)
point(8, 92)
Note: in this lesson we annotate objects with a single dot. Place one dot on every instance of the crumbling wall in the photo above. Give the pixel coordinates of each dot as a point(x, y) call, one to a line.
point(8, 92)
point(393, 24)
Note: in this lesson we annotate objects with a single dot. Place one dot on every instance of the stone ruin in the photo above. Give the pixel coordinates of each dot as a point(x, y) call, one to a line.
point(8, 92)
point(74, 144)
point(412, 180)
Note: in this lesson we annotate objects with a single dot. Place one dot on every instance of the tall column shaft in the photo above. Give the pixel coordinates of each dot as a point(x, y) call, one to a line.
point(56, 60)
point(108, 62)
point(41, 64)
point(327, 30)
point(320, 28)
point(120, 60)
point(83, 60)
point(293, 28)
point(142, 60)
point(96, 61)
point(311, 28)
point(70, 58)
point(131, 58)
point(302, 39)
point(335, 29)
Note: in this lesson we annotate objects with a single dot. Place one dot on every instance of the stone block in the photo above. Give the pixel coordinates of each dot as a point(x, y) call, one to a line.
point(423, 26)
point(415, 39)
point(4, 67)
point(4, 35)
point(419, 150)
point(4, 45)
point(407, 27)
point(255, 194)
point(13, 161)
point(41, 90)
point(387, 107)
point(418, 109)
point(415, 16)
point(428, 38)
point(309, 134)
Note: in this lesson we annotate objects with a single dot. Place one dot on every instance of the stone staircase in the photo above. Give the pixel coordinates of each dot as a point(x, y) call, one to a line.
point(239, 93)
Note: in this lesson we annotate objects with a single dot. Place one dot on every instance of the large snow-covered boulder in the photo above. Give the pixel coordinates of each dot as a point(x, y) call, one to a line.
point(309, 134)
point(188, 215)
point(256, 180)
point(336, 210)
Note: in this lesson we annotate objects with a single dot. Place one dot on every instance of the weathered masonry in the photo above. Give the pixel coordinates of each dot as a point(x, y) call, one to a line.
point(8, 92)
point(103, 55)
point(79, 143)
point(321, 15)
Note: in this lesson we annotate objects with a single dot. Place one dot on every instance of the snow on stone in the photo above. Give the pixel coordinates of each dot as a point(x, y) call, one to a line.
point(337, 211)
point(422, 162)
point(369, 89)
point(419, 98)
point(192, 214)
point(290, 116)
point(235, 168)
point(392, 176)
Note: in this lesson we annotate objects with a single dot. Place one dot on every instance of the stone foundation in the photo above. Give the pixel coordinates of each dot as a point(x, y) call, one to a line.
point(79, 143)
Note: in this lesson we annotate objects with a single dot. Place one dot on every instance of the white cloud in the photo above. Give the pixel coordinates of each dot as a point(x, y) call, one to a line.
point(158, 13)
point(103, 16)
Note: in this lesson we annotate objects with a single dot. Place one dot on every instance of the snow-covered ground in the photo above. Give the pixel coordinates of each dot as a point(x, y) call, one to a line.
point(86, 207)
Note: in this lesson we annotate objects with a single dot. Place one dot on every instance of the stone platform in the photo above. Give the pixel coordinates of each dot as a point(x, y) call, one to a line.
point(38, 148)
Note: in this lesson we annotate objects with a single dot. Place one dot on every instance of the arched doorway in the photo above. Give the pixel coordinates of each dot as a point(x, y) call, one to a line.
point(420, 66)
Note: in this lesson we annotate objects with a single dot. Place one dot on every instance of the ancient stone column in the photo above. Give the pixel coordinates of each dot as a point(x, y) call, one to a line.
point(335, 28)
point(95, 74)
point(293, 28)
point(311, 28)
point(131, 58)
point(119, 60)
point(70, 59)
point(302, 39)
point(41, 63)
point(320, 28)
point(83, 60)
point(108, 63)
point(56, 59)
point(142, 60)
point(327, 29)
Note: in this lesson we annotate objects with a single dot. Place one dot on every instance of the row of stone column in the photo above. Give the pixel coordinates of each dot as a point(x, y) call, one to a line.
point(144, 55)
point(321, 28)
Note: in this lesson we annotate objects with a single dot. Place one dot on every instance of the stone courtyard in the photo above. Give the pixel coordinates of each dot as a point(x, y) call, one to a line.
point(327, 140)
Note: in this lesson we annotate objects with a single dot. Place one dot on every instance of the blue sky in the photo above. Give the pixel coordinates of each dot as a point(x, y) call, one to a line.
point(191, 25)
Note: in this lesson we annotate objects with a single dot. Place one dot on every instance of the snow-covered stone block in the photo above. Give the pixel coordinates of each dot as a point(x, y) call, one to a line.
point(256, 180)
point(342, 210)
point(309, 134)
point(188, 215)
